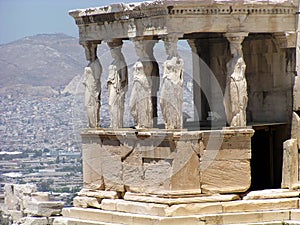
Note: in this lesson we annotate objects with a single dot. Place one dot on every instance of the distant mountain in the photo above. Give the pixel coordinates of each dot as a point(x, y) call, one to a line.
point(58, 61)
point(52, 66)
point(41, 60)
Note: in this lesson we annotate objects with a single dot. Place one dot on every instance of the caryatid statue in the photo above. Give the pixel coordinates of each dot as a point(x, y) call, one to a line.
point(171, 99)
point(117, 84)
point(92, 83)
point(235, 96)
point(140, 99)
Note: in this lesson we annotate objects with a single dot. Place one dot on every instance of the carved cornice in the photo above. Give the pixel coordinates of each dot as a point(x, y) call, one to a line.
point(221, 10)
point(128, 15)
point(162, 17)
point(159, 8)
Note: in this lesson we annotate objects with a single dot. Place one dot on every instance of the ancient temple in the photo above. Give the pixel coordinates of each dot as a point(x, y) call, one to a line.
point(240, 167)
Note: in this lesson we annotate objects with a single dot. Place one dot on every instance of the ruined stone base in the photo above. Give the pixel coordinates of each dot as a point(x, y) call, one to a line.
point(258, 207)
point(154, 161)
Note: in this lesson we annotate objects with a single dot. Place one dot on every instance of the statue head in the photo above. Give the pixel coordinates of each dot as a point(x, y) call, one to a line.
point(149, 48)
point(140, 48)
point(115, 48)
point(170, 42)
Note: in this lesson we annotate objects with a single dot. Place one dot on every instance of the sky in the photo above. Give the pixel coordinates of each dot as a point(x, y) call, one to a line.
point(21, 18)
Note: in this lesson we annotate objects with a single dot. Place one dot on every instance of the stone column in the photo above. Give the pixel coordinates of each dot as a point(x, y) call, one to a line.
point(288, 41)
point(197, 94)
point(236, 96)
point(140, 99)
point(117, 84)
point(171, 100)
point(92, 83)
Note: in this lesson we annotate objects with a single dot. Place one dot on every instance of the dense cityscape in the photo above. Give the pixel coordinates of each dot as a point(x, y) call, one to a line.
point(40, 143)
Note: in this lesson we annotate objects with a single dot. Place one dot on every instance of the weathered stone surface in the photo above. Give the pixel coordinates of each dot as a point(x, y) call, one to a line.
point(233, 154)
point(172, 93)
point(15, 214)
point(154, 161)
point(34, 221)
point(102, 162)
point(181, 220)
point(295, 214)
point(236, 96)
point(91, 163)
point(46, 208)
point(40, 196)
point(98, 194)
point(185, 168)
point(140, 98)
point(195, 198)
point(133, 170)
point(297, 93)
point(271, 194)
point(296, 128)
point(157, 174)
point(85, 202)
point(134, 207)
point(270, 217)
point(265, 204)
point(229, 176)
point(194, 208)
point(92, 83)
point(290, 164)
point(17, 196)
point(62, 221)
point(171, 98)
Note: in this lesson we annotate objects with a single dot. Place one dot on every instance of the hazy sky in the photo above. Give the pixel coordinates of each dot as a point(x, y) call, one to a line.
point(21, 18)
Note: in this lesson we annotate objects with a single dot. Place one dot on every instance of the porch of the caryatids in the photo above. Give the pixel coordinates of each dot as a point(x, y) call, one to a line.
point(236, 95)
point(92, 83)
point(140, 99)
point(117, 84)
point(171, 98)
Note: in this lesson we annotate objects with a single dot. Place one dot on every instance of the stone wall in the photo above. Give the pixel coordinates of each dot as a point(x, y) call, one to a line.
point(269, 81)
point(291, 170)
point(166, 162)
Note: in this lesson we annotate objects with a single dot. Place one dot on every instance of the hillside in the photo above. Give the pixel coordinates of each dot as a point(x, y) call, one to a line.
point(41, 60)
point(55, 59)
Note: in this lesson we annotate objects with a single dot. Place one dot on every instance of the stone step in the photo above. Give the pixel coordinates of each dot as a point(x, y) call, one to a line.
point(113, 217)
point(292, 222)
point(259, 217)
point(164, 210)
point(128, 218)
point(266, 223)
point(73, 221)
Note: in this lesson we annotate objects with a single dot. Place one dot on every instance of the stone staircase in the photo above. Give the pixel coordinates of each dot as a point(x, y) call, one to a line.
point(78, 216)
point(265, 208)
